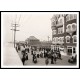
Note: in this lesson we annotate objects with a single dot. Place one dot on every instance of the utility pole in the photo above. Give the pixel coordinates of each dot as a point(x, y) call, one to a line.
point(15, 25)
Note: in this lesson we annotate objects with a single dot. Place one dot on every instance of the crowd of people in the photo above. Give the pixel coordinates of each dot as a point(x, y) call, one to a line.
point(39, 53)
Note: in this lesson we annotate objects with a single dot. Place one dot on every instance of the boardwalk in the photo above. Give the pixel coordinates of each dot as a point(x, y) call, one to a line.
point(11, 58)
point(41, 61)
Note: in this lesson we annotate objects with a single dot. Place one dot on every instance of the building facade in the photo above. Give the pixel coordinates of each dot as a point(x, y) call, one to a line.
point(32, 42)
point(64, 27)
point(35, 43)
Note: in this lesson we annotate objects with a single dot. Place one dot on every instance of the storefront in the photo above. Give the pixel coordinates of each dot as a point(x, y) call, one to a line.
point(55, 47)
point(71, 50)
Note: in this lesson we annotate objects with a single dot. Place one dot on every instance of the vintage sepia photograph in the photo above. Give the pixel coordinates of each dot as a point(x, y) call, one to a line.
point(40, 40)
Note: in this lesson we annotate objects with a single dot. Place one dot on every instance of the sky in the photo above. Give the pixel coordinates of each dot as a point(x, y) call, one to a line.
point(30, 24)
point(36, 24)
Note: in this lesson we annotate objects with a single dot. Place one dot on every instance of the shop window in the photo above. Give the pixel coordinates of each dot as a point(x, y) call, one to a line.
point(74, 50)
point(69, 50)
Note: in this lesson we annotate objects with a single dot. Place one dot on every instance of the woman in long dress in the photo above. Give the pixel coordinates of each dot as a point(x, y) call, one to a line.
point(55, 57)
point(46, 61)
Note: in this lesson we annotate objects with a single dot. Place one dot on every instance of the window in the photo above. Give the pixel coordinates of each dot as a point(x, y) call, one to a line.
point(54, 40)
point(71, 17)
point(54, 32)
point(60, 20)
point(71, 27)
point(74, 50)
point(60, 30)
point(68, 28)
point(74, 26)
point(62, 39)
point(57, 39)
point(69, 50)
point(75, 16)
point(54, 48)
point(74, 39)
point(57, 47)
point(68, 17)
point(54, 23)
point(67, 39)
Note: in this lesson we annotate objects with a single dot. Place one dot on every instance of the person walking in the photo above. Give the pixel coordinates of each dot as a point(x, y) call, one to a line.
point(34, 57)
point(52, 57)
point(46, 61)
point(18, 47)
point(59, 54)
point(26, 54)
point(23, 59)
point(52, 62)
point(32, 52)
point(55, 57)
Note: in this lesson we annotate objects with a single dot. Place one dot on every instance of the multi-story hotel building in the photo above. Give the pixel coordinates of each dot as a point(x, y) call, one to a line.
point(64, 27)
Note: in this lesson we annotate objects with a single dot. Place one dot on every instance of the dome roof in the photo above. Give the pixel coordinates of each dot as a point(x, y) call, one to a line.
point(32, 38)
